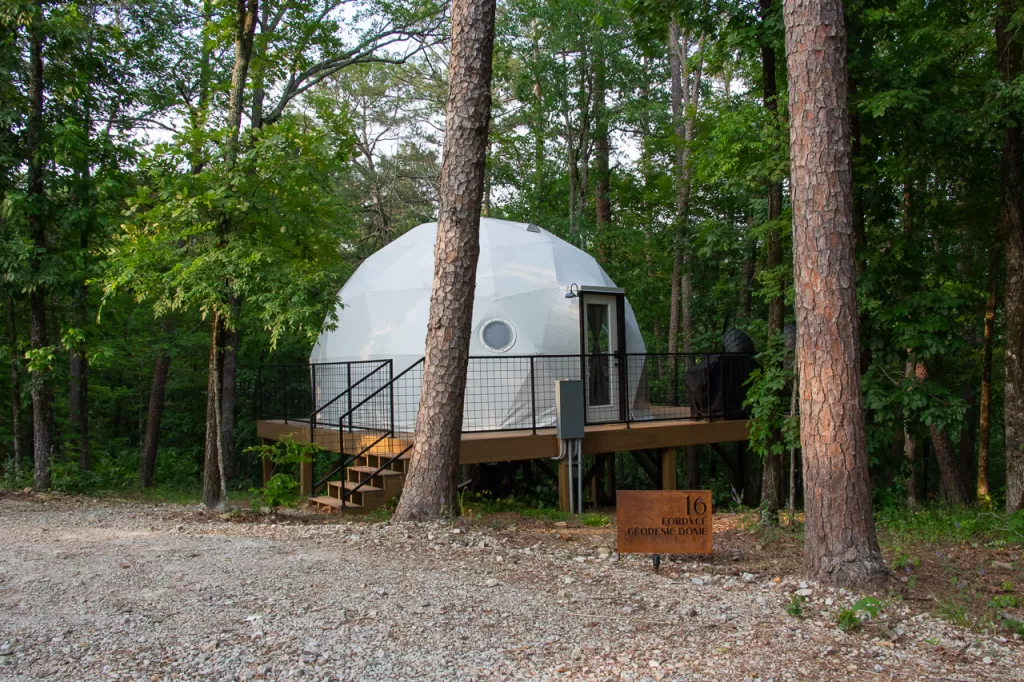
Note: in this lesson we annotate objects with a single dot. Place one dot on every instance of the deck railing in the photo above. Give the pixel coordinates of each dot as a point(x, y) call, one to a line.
point(509, 392)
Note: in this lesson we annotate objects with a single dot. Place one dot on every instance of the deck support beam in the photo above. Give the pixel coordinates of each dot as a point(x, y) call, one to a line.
point(563, 485)
point(668, 469)
point(267, 465)
point(306, 478)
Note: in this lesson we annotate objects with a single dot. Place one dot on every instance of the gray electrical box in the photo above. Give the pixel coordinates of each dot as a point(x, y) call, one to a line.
point(569, 408)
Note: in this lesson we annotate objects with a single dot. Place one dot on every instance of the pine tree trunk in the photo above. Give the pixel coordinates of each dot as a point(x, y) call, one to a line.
point(42, 391)
point(985, 401)
point(840, 542)
point(430, 488)
point(677, 62)
point(602, 150)
point(1008, 47)
point(773, 475)
point(16, 428)
point(157, 391)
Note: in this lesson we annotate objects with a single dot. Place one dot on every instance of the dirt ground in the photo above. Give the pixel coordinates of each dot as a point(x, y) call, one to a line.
point(103, 590)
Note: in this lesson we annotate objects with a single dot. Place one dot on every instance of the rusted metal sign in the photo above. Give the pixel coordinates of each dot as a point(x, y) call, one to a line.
point(664, 521)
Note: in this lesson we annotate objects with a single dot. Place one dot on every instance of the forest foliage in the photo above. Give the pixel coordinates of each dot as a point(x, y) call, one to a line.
point(139, 217)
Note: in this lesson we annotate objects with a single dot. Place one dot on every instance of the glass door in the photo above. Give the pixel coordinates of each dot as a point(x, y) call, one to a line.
point(600, 346)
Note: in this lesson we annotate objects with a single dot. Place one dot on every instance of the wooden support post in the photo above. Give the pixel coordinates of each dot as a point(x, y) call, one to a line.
point(610, 482)
point(268, 466)
point(668, 468)
point(563, 485)
point(306, 479)
point(595, 481)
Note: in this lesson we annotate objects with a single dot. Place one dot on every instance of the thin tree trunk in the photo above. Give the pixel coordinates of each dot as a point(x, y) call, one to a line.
point(949, 469)
point(910, 445)
point(430, 488)
point(968, 436)
point(211, 459)
point(1008, 47)
point(215, 470)
point(985, 402)
point(42, 392)
point(157, 391)
point(229, 391)
point(16, 427)
point(840, 542)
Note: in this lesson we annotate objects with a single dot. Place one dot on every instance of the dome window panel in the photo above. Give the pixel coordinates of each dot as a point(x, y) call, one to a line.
point(498, 335)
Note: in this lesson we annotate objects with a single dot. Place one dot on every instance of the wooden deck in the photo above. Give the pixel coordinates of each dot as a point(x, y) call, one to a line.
point(512, 446)
point(665, 436)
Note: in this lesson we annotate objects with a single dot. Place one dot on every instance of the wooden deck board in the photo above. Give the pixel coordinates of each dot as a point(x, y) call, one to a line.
point(508, 446)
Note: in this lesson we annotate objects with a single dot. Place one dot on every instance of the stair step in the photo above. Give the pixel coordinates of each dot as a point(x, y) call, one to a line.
point(350, 485)
point(370, 470)
point(384, 456)
point(334, 502)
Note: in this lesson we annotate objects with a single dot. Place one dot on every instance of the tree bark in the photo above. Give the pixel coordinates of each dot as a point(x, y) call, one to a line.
point(840, 542)
point(1008, 47)
point(430, 488)
point(16, 428)
point(985, 401)
point(773, 489)
point(229, 390)
point(602, 150)
point(949, 468)
point(157, 391)
point(910, 445)
point(246, 16)
point(42, 392)
point(211, 458)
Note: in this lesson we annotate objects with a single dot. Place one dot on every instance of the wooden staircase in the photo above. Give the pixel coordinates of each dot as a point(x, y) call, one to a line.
point(370, 480)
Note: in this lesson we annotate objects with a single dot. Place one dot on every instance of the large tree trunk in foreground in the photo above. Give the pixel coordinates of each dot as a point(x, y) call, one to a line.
point(42, 391)
point(985, 401)
point(773, 488)
point(157, 390)
point(430, 489)
point(1008, 46)
point(840, 545)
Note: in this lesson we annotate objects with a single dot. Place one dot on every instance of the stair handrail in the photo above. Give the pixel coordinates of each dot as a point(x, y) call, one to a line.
point(383, 364)
point(390, 383)
point(345, 460)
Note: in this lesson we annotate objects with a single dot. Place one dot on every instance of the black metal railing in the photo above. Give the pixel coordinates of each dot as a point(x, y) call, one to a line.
point(512, 393)
point(375, 420)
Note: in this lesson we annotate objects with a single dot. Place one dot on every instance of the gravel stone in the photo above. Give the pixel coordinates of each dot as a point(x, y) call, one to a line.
point(107, 590)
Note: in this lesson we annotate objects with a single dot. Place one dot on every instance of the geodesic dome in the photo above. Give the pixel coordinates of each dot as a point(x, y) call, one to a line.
point(520, 309)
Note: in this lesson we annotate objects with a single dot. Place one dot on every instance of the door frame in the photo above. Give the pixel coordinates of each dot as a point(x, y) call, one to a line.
point(617, 327)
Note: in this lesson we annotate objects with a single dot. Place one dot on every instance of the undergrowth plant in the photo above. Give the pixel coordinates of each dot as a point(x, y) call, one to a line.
point(850, 620)
point(282, 489)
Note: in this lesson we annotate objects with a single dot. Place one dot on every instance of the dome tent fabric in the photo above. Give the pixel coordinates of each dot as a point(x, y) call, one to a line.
point(520, 309)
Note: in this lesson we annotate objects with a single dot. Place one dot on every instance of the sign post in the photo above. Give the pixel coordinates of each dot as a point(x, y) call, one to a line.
point(660, 522)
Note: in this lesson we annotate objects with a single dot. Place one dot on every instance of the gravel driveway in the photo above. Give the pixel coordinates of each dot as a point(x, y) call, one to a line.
point(100, 590)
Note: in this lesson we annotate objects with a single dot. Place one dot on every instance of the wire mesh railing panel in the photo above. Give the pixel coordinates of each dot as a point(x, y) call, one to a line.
point(506, 393)
point(285, 392)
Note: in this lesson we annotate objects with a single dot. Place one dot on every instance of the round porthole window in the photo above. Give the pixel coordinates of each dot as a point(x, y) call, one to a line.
point(498, 335)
